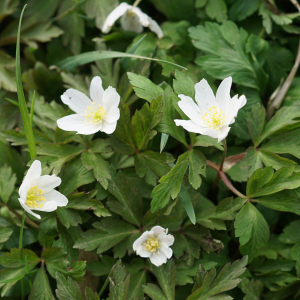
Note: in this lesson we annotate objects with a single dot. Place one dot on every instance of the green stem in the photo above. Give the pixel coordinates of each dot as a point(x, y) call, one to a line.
point(22, 289)
point(217, 179)
point(105, 284)
point(32, 108)
point(21, 230)
point(136, 3)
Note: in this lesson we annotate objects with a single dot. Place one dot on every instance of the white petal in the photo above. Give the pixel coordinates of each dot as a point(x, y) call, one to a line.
point(96, 90)
point(234, 105)
point(131, 22)
point(108, 128)
point(76, 100)
point(166, 250)
point(34, 171)
point(167, 239)
point(25, 186)
point(157, 230)
point(153, 26)
point(47, 206)
point(113, 115)
point(137, 243)
point(29, 210)
point(223, 93)
point(218, 134)
point(191, 109)
point(71, 122)
point(204, 95)
point(158, 259)
point(144, 18)
point(114, 16)
point(56, 196)
point(46, 183)
point(142, 251)
point(90, 128)
point(190, 126)
point(110, 98)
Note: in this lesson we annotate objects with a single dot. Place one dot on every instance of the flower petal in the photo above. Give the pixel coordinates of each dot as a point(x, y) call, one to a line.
point(204, 95)
point(190, 126)
point(108, 128)
point(96, 90)
point(166, 250)
point(113, 115)
point(47, 206)
point(76, 100)
point(29, 210)
point(90, 128)
point(131, 22)
point(153, 26)
point(59, 198)
point(23, 190)
point(234, 105)
point(191, 109)
point(34, 171)
point(220, 134)
point(71, 122)
point(168, 240)
point(157, 230)
point(46, 183)
point(110, 98)
point(158, 259)
point(143, 252)
point(114, 16)
point(143, 18)
point(223, 94)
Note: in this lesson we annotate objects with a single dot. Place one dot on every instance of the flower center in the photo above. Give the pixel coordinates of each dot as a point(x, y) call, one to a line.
point(33, 197)
point(94, 114)
point(152, 245)
point(214, 118)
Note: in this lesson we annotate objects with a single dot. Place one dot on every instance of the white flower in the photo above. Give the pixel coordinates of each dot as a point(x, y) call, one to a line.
point(37, 192)
point(99, 114)
point(213, 114)
point(155, 244)
point(132, 19)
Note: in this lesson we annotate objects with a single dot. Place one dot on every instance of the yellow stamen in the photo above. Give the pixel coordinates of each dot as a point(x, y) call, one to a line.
point(152, 245)
point(33, 197)
point(214, 118)
point(94, 114)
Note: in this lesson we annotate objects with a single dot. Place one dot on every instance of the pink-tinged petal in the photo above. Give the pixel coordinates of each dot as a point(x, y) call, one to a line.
point(114, 16)
point(59, 198)
point(110, 98)
point(46, 183)
point(158, 259)
point(142, 251)
point(204, 95)
point(190, 126)
point(108, 128)
point(34, 171)
point(71, 122)
point(113, 115)
point(166, 250)
point(27, 209)
point(96, 90)
point(223, 93)
point(76, 100)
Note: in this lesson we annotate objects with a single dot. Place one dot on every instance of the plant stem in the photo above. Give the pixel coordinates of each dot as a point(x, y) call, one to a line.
point(21, 230)
point(217, 179)
point(136, 3)
point(27, 220)
point(22, 289)
point(105, 284)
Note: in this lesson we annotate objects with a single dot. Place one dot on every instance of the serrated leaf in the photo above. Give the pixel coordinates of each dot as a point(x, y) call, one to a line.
point(7, 182)
point(252, 230)
point(197, 166)
point(242, 9)
point(144, 87)
point(68, 217)
point(216, 9)
point(16, 258)
point(47, 231)
point(252, 289)
point(187, 203)
point(252, 160)
point(183, 84)
point(206, 141)
point(67, 289)
point(7, 73)
point(90, 295)
point(226, 280)
point(5, 233)
point(273, 160)
point(154, 292)
point(95, 162)
point(41, 288)
point(290, 233)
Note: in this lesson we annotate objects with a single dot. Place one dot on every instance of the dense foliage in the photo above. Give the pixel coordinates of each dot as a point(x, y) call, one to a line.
point(235, 222)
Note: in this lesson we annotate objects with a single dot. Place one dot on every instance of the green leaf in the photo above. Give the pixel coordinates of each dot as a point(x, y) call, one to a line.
point(67, 289)
point(90, 295)
point(129, 204)
point(183, 84)
point(5, 233)
point(7, 182)
point(241, 9)
point(41, 288)
point(167, 124)
point(252, 160)
point(284, 117)
point(266, 182)
point(68, 217)
point(207, 141)
point(154, 292)
point(95, 162)
point(7, 73)
point(16, 258)
point(187, 203)
point(78, 60)
point(119, 283)
point(224, 46)
point(137, 280)
point(169, 184)
point(252, 289)
point(47, 231)
point(225, 281)
point(197, 166)
point(252, 230)
point(74, 176)
point(165, 275)
point(290, 233)
point(163, 141)
point(144, 121)
point(21, 97)
point(109, 232)
point(216, 9)
point(256, 122)
point(144, 87)
point(273, 160)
